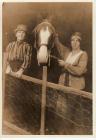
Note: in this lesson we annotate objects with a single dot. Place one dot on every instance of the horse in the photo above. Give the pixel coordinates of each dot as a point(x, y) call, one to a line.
point(44, 52)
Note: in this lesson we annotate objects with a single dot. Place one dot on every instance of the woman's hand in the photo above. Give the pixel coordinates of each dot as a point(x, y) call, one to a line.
point(61, 63)
point(8, 70)
point(19, 73)
point(66, 66)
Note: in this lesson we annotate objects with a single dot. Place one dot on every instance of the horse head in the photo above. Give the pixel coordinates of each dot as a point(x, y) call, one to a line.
point(44, 41)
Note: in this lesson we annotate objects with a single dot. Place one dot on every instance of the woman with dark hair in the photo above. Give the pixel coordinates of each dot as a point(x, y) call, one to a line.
point(75, 65)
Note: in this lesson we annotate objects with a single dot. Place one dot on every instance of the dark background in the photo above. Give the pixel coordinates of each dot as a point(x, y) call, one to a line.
point(65, 17)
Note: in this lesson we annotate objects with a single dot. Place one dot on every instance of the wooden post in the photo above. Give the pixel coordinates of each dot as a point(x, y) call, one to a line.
point(43, 102)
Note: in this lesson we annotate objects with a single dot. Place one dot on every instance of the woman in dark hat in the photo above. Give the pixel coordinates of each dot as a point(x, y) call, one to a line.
point(18, 60)
point(75, 65)
point(18, 53)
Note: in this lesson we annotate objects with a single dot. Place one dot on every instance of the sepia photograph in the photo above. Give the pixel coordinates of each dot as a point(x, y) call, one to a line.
point(47, 68)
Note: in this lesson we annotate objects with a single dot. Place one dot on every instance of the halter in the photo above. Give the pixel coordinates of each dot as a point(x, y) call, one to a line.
point(43, 45)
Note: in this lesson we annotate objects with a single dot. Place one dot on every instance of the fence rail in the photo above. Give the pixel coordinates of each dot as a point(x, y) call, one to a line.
point(13, 127)
point(69, 90)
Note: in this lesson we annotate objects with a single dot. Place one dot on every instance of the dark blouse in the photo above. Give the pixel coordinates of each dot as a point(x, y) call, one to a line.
point(19, 53)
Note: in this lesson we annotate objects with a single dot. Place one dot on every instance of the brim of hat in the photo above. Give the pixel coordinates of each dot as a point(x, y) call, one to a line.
point(76, 36)
point(16, 30)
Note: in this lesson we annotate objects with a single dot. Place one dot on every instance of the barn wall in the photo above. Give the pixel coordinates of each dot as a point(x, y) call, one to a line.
point(65, 17)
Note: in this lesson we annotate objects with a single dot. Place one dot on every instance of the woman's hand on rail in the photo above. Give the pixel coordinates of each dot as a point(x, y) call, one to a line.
point(19, 73)
point(8, 70)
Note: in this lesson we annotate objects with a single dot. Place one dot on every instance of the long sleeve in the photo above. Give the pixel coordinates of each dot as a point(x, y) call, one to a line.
point(27, 57)
point(7, 53)
point(81, 67)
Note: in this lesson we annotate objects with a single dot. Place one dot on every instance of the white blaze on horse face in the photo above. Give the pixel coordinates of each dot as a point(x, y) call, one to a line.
point(44, 35)
point(42, 54)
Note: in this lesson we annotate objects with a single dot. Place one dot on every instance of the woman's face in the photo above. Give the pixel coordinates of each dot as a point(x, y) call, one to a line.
point(20, 35)
point(75, 43)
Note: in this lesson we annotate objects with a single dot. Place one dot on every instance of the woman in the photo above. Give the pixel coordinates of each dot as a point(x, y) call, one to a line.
point(18, 60)
point(18, 53)
point(75, 65)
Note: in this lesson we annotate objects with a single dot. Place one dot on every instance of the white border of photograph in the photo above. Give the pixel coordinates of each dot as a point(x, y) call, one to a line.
point(72, 137)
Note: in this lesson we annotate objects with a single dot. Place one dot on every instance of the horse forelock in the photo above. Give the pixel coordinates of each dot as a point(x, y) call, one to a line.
point(37, 30)
point(41, 25)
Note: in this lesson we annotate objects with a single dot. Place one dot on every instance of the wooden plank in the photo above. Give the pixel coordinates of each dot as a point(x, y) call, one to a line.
point(28, 78)
point(69, 90)
point(16, 129)
point(31, 79)
point(43, 102)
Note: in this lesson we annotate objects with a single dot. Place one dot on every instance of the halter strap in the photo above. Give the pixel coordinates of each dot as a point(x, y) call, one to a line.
point(43, 45)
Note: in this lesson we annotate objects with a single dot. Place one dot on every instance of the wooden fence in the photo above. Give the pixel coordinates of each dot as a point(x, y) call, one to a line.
point(44, 84)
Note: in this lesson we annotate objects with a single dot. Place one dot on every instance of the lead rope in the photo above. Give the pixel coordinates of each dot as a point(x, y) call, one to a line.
point(49, 58)
point(37, 59)
point(49, 54)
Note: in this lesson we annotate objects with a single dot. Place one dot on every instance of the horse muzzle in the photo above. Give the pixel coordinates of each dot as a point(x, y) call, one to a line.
point(42, 55)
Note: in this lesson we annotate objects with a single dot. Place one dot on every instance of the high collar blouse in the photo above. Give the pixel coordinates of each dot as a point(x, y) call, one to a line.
point(20, 51)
